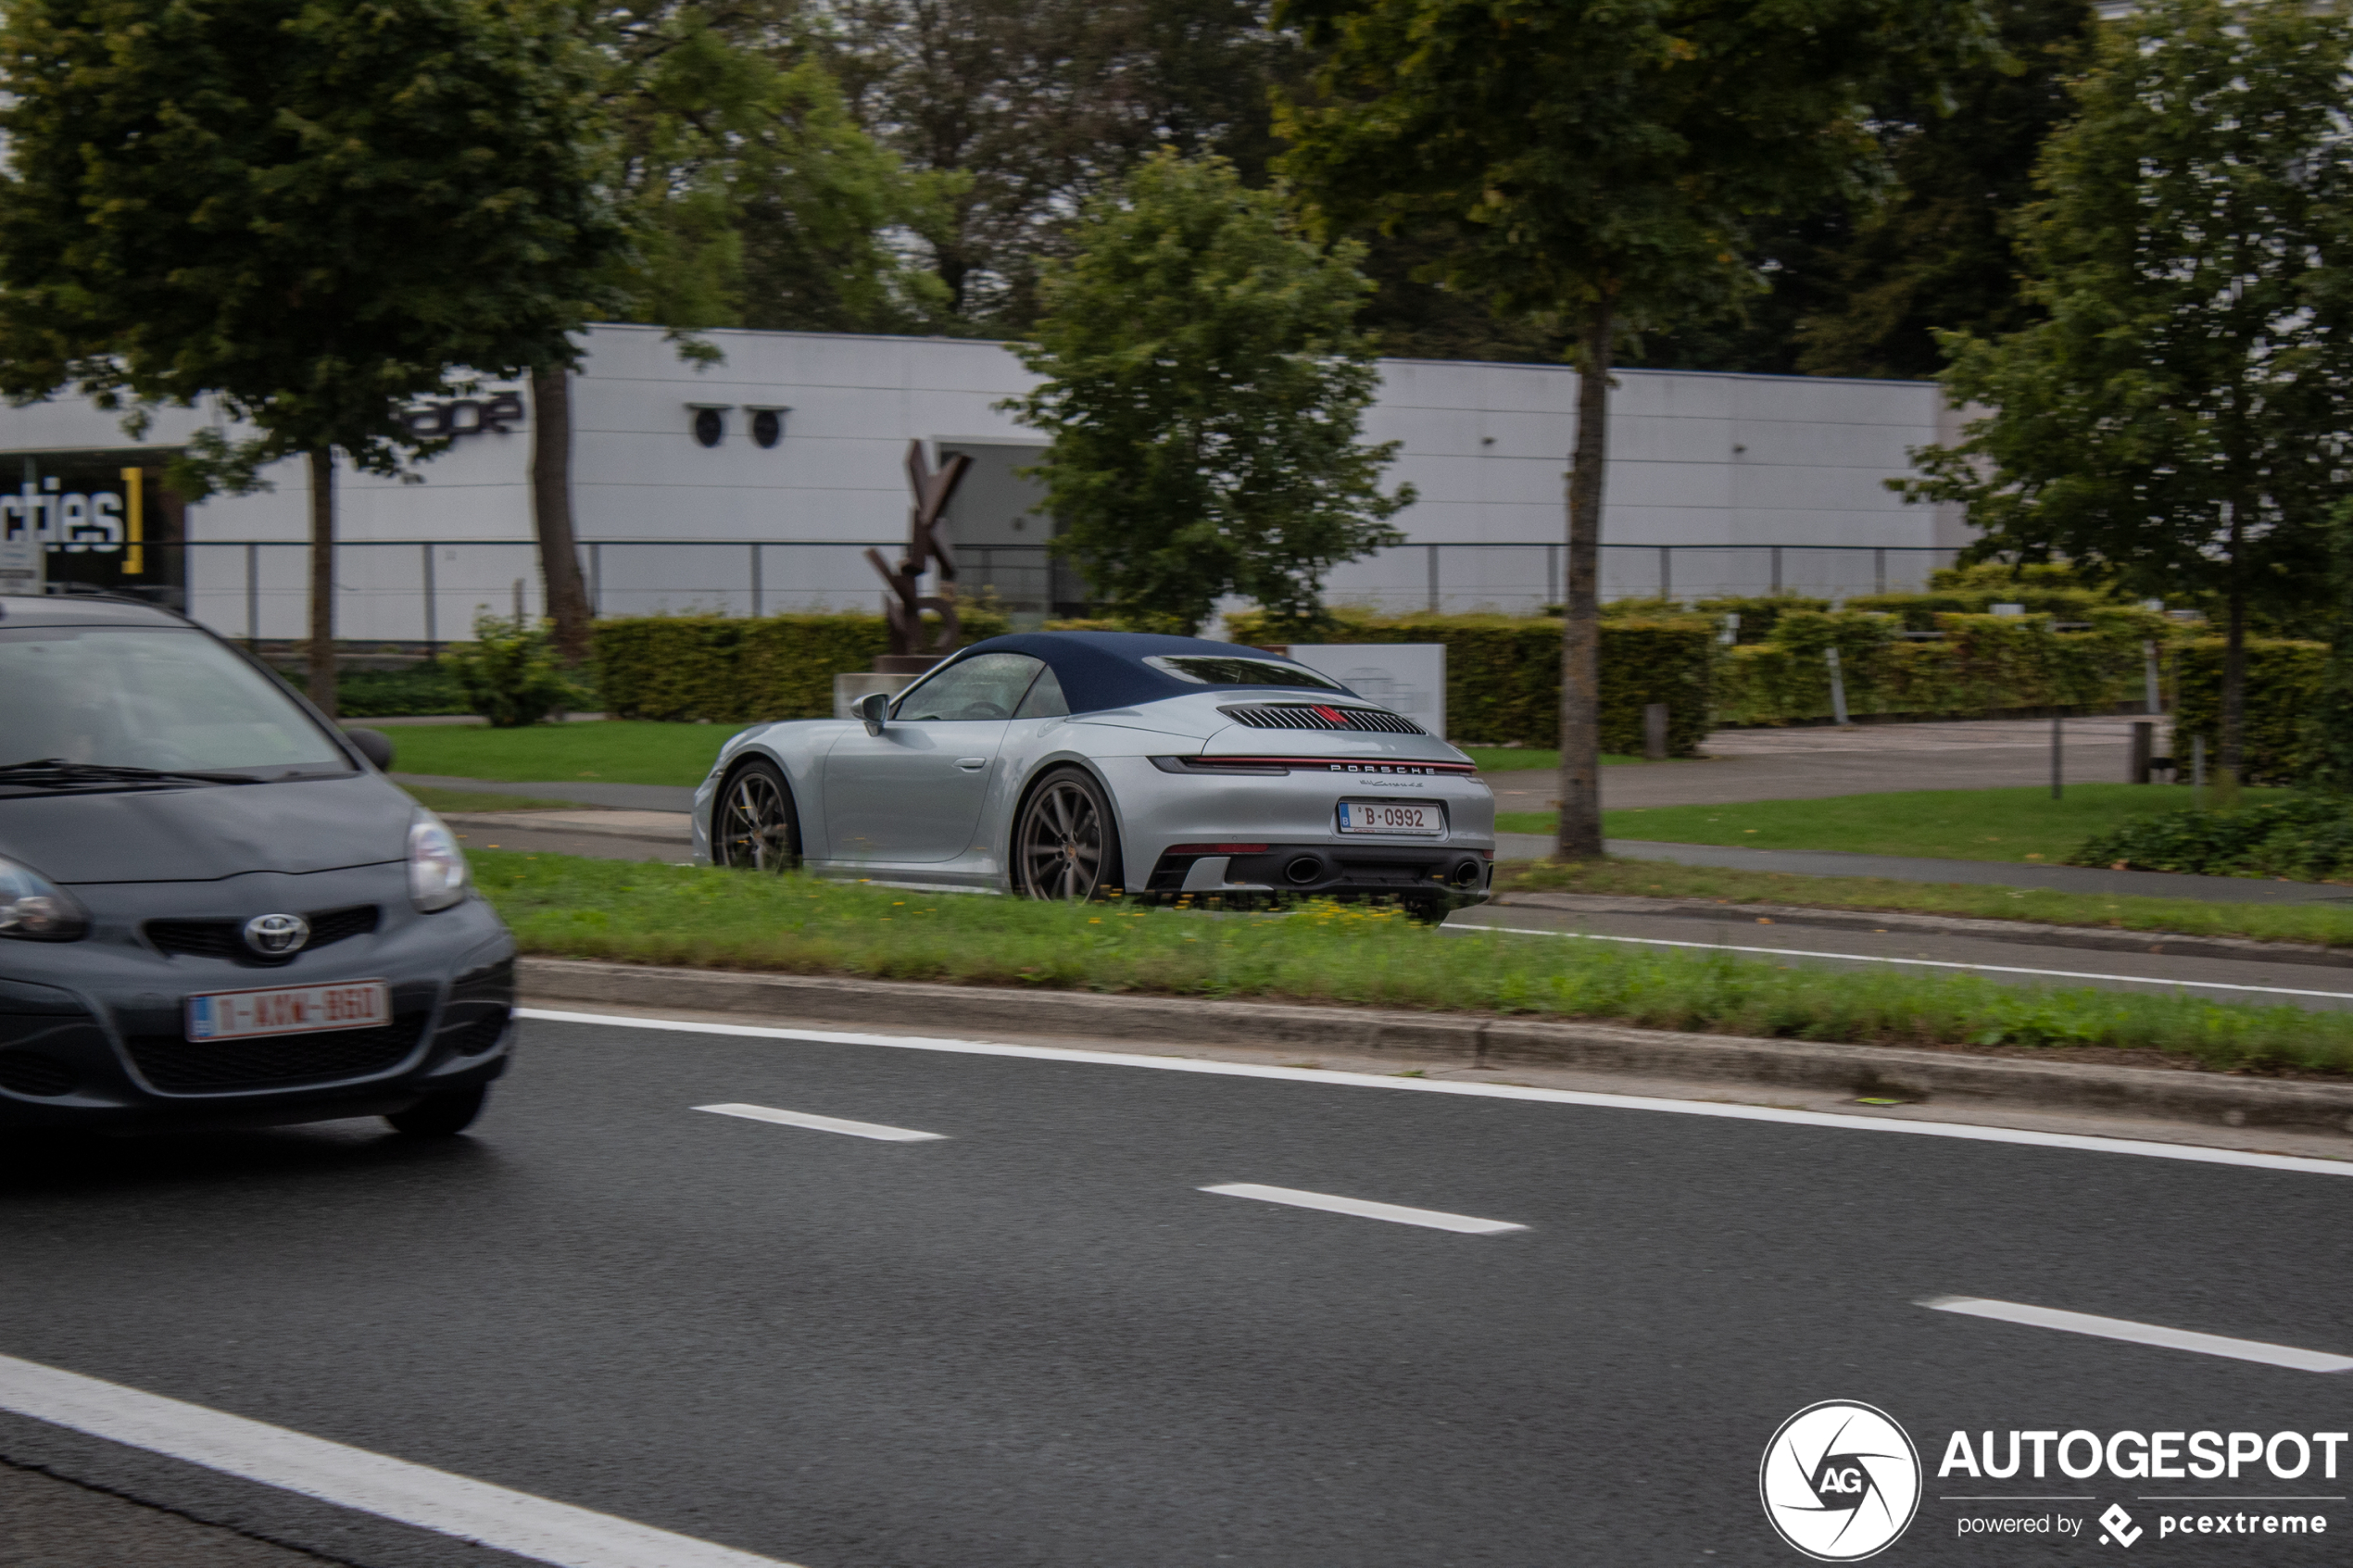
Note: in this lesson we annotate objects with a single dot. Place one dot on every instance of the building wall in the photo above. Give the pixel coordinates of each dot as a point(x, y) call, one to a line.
point(1720, 468)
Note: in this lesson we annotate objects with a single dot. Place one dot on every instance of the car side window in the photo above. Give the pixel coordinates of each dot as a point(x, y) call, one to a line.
point(1045, 699)
point(987, 685)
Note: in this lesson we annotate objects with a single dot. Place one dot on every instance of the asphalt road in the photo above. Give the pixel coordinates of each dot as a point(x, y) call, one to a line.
point(1037, 1342)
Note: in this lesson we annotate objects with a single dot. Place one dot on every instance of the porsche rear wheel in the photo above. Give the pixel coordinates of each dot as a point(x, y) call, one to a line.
point(755, 827)
point(1065, 846)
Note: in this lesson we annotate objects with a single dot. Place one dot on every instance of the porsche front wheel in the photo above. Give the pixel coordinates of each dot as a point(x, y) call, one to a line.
point(1065, 845)
point(754, 826)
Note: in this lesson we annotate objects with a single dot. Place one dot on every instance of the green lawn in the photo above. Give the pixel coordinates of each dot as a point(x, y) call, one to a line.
point(1513, 758)
point(434, 799)
point(684, 915)
point(1956, 824)
point(607, 750)
point(2329, 925)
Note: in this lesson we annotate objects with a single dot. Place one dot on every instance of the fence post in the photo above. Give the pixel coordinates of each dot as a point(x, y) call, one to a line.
point(253, 596)
point(1551, 574)
point(1666, 571)
point(2156, 703)
point(433, 626)
point(2197, 770)
point(1879, 571)
point(2058, 726)
point(1654, 732)
point(596, 581)
point(2143, 747)
point(1433, 578)
point(1838, 689)
point(755, 581)
point(1777, 569)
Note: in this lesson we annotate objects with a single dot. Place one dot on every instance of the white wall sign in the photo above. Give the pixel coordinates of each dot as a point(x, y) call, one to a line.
point(23, 549)
point(1408, 678)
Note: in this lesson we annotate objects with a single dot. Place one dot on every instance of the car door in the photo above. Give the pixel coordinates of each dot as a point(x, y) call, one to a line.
point(913, 794)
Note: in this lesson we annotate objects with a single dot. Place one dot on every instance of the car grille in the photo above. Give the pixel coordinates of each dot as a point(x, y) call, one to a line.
point(225, 939)
point(195, 1067)
point(473, 1039)
point(1321, 715)
point(23, 1073)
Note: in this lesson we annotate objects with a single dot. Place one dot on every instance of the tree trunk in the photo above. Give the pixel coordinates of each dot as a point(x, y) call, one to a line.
point(322, 579)
point(1580, 806)
point(2234, 736)
point(551, 511)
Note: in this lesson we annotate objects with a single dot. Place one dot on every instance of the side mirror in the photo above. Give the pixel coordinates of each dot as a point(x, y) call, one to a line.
point(375, 745)
point(874, 707)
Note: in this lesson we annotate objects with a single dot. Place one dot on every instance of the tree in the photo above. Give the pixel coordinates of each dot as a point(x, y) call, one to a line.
point(314, 210)
point(1205, 387)
point(1028, 108)
point(2178, 419)
point(1603, 164)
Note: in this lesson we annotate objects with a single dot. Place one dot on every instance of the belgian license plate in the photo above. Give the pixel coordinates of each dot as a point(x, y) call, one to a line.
point(288, 1009)
point(1409, 817)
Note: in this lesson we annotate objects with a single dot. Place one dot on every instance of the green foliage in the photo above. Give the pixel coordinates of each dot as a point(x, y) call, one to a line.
point(2176, 422)
point(732, 670)
point(1204, 386)
point(1759, 614)
point(608, 750)
point(2328, 724)
point(389, 693)
point(2308, 837)
point(1983, 664)
point(1322, 952)
point(509, 673)
point(2283, 686)
point(755, 198)
point(317, 210)
point(1504, 673)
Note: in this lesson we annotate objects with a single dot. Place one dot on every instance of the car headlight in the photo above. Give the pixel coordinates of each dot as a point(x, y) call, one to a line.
point(34, 908)
point(436, 866)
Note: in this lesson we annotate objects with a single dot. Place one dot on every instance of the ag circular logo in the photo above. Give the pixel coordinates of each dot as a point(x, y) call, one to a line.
point(276, 935)
point(1840, 1481)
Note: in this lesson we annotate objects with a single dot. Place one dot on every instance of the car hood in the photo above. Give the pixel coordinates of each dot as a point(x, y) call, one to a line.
point(201, 835)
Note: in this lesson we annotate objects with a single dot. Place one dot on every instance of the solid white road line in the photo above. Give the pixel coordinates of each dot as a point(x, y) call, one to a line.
point(2143, 1334)
point(1914, 963)
point(822, 1124)
point(391, 1488)
point(1437, 1220)
point(2189, 1152)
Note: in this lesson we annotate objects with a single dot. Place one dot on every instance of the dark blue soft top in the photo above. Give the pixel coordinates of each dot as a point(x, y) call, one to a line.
point(1100, 670)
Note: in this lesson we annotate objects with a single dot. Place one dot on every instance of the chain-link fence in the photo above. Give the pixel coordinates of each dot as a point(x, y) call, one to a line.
point(430, 592)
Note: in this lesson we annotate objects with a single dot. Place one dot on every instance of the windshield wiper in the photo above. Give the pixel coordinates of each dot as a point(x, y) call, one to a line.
point(58, 771)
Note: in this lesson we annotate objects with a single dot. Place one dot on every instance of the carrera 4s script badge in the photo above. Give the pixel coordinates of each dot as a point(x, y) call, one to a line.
point(1839, 1481)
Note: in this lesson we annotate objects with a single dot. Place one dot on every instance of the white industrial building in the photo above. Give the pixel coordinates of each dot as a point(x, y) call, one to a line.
point(1716, 483)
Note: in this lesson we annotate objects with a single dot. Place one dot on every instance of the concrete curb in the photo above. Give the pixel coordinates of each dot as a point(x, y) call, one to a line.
point(2170, 1093)
point(2096, 938)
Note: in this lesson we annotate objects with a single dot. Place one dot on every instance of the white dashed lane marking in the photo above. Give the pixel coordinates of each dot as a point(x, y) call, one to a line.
point(822, 1124)
point(2143, 1334)
point(1396, 1213)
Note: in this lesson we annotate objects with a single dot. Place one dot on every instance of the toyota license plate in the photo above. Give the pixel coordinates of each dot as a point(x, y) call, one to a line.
point(288, 1009)
point(1411, 818)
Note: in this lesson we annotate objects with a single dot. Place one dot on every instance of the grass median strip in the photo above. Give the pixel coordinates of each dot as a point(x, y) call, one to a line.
point(638, 912)
point(2329, 924)
point(604, 750)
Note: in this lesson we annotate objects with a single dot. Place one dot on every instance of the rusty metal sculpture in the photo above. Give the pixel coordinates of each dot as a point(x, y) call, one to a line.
point(926, 550)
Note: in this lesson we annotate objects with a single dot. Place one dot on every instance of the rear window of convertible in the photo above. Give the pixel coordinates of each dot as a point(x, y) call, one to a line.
point(1217, 670)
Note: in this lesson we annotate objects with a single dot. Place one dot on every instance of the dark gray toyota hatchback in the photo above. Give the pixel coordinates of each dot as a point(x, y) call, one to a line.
point(214, 911)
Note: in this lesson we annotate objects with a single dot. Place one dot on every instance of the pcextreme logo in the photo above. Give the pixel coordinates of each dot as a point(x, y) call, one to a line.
point(1839, 1481)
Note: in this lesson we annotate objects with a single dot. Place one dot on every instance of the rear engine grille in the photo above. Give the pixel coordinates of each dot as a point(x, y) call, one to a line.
point(1321, 715)
point(23, 1073)
point(225, 939)
point(195, 1067)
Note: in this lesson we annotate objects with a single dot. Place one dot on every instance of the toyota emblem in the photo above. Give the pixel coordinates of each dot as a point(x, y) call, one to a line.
point(276, 935)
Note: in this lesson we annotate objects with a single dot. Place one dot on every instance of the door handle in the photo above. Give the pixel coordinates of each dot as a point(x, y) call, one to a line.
point(972, 764)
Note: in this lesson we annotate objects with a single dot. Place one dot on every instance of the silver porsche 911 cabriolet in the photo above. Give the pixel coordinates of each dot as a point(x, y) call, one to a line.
point(1083, 764)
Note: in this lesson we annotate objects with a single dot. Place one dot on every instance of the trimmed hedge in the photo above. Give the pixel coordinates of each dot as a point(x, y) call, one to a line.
point(1503, 673)
point(2282, 687)
point(1983, 663)
point(737, 671)
point(2308, 837)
